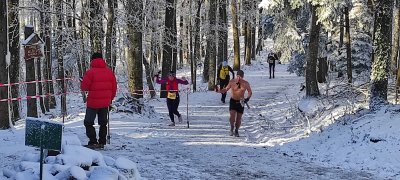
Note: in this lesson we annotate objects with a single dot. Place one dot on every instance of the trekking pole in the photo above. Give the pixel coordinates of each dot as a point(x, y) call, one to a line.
point(187, 108)
point(108, 125)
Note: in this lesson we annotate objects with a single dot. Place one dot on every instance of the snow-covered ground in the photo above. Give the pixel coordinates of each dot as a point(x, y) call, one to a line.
point(275, 141)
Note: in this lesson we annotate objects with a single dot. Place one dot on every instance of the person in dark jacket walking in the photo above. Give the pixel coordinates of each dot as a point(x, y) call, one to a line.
point(223, 77)
point(100, 82)
point(272, 58)
point(172, 94)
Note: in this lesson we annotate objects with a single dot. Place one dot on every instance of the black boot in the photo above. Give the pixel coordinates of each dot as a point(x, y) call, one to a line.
point(91, 134)
point(236, 133)
point(103, 135)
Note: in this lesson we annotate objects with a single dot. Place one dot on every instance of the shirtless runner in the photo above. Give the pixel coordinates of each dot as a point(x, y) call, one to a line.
point(236, 105)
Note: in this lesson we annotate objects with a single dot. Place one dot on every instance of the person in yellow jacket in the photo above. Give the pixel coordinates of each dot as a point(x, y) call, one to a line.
point(223, 77)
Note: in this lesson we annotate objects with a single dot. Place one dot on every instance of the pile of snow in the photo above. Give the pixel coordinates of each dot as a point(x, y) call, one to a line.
point(75, 162)
point(309, 106)
point(128, 104)
point(367, 143)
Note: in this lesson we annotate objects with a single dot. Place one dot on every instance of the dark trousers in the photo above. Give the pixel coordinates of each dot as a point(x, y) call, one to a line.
point(272, 69)
point(172, 105)
point(90, 116)
point(223, 83)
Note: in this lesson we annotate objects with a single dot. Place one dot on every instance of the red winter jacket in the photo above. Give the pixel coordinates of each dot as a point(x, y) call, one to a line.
point(100, 81)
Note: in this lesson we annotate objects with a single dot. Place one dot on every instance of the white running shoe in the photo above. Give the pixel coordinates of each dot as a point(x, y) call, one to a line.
point(180, 119)
point(172, 124)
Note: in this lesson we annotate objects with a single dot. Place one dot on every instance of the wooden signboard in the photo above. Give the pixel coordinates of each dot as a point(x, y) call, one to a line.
point(33, 51)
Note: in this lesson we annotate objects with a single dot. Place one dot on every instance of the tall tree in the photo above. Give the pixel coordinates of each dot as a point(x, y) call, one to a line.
point(260, 31)
point(197, 43)
point(380, 66)
point(247, 32)
point(4, 124)
point(13, 35)
point(174, 41)
point(253, 29)
point(111, 33)
point(211, 45)
point(222, 32)
point(96, 25)
point(168, 41)
point(311, 67)
point(59, 54)
point(236, 45)
point(135, 50)
point(395, 38)
point(348, 46)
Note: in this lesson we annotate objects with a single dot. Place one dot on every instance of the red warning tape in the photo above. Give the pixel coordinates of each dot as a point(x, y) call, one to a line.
point(36, 81)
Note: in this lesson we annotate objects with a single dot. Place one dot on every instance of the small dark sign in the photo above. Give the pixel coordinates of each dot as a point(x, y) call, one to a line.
point(42, 133)
point(33, 51)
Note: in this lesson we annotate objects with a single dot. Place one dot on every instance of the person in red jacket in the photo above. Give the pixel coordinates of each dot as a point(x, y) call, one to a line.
point(101, 84)
point(172, 94)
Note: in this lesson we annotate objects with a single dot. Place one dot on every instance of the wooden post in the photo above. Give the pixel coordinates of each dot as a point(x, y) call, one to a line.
point(30, 76)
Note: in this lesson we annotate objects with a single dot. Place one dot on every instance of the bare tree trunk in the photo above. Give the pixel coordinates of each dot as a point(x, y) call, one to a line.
point(110, 34)
point(395, 38)
point(380, 66)
point(260, 32)
point(149, 77)
point(236, 45)
point(180, 44)
point(96, 25)
point(59, 55)
point(197, 46)
point(135, 50)
point(80, 61)
point(13, 19)
point(168, 42)
point(253, 30)
point(222, 32)
point(311, 67)
point(248, 43)
point(174, 42)
point(348, 46)
point(212, 47)
point(341, 31)
point(4, 121)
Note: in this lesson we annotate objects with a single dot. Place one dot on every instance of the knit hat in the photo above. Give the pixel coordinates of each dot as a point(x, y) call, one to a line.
point(171, 73)
point(96, 55)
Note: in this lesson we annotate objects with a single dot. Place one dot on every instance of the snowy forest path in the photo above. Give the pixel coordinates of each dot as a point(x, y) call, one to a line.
point(205, 150)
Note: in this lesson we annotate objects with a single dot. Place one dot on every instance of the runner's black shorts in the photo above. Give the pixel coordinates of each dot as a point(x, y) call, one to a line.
point(235, 105)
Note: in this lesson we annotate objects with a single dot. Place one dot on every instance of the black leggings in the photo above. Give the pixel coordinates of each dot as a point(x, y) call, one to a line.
point(272, 68)
point(223, 83)
point(172, 105)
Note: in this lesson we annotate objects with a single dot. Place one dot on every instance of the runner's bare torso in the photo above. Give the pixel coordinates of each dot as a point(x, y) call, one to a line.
point(238, 89)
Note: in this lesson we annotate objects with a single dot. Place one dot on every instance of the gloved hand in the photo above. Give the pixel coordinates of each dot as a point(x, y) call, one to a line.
point(246, 100)
point(80, 79)
point(158, 74)
point(216, 88)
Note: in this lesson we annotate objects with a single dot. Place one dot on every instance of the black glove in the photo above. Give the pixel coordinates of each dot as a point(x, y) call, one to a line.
point(81, 79)
point(246, 100)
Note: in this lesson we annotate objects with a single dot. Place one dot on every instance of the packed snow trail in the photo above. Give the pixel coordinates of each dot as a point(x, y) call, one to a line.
point(205, 151)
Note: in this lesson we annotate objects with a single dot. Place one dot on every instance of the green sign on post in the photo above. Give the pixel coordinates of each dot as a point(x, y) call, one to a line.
point(43, 133)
